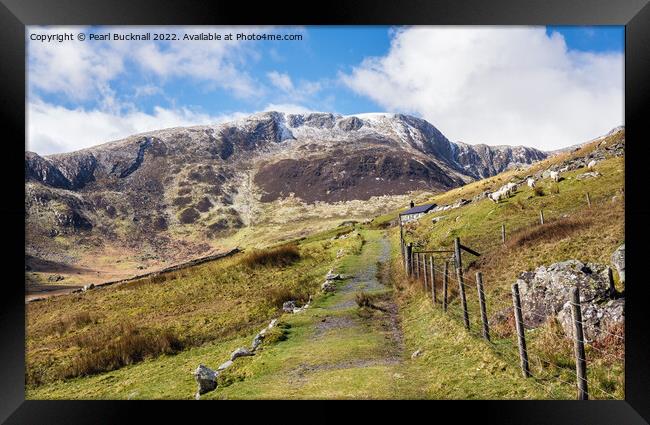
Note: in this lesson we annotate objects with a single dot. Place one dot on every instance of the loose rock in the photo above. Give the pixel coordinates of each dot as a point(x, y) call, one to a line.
point(241, 352)
point(590, 174)
point(257, 341)
point(618, 261)
point(332, 276)
point(206, 379)
point(288, 306)
point(328, 286)
point(225, 365)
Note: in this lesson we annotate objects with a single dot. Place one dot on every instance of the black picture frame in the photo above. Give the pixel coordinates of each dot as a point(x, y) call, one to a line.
point(634, 14)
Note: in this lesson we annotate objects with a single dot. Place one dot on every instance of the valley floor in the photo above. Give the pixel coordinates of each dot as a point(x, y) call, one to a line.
point(335, 349)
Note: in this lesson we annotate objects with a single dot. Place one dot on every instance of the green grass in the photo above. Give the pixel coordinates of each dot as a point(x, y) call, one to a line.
point(572, 230)
point(206, 303)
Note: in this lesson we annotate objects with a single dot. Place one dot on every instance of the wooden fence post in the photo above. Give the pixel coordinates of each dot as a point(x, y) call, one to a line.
point(417, 266)
point(588, 200)
point(445, 279)
point(579, 345)
point(433, 280)
point(503, 233)
point(424, 268)
point(541, 216)
point(459, 277)
point(409, 259)
point(481, 300)
point(421, 260)
point(519, 325)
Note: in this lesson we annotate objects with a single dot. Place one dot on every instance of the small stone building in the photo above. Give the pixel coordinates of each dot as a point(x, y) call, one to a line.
point(414, 212)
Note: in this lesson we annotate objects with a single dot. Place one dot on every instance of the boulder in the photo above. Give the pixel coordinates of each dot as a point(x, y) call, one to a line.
point(225, 365)
point(598, 319)
point(288, 306)
point(257, 341)
point(588, 175)
point(241, 352)
point(328, 286)
point(545, 291)
point(88, 287)
point(618, 261)
point(206, 378)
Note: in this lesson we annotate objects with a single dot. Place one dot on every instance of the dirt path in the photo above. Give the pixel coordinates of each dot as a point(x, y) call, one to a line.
point(334, 349)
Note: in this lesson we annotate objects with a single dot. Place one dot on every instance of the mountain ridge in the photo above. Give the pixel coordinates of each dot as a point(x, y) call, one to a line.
point(182, 192)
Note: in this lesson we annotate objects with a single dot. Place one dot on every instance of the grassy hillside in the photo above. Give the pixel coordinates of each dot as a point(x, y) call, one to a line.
point(336, 349)
point(572, 230)
point(106, 328)
point(144, 339)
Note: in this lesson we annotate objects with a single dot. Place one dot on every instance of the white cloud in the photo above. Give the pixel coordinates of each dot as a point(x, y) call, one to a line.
point(302, 91)
point(55, 128)
point(280, 80)
point(496, 85)
point(80, 70)
point(74, 68)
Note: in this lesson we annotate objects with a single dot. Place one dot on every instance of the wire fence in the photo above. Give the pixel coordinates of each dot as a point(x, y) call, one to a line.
point(424, 268)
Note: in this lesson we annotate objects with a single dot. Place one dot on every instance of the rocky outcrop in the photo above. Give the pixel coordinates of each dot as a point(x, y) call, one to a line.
point(545, 290)
point(41, 170)
point(482, 161)
point(546, 293)
point(610, 145)
point(599, 319)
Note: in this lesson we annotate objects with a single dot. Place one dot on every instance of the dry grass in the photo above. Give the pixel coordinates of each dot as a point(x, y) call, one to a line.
point(555, 188)
point(209, 302)
point(549, 231)
point(106, 347)
point(106, 351)
point(69, 321)
point(611, 347)
point(277, 257)
point(363, 299)
point(279, 295)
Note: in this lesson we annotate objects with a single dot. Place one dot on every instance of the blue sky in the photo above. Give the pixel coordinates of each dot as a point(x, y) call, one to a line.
point(466, 81)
